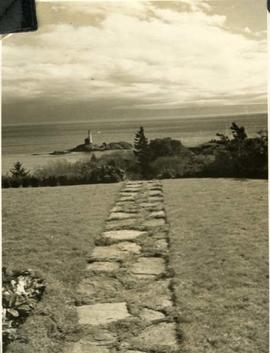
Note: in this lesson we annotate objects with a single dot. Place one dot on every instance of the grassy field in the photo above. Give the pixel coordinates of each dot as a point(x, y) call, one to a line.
point(52, 230)
point(219, 250)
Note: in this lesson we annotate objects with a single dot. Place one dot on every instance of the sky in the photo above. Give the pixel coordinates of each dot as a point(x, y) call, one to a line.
point(129, 59)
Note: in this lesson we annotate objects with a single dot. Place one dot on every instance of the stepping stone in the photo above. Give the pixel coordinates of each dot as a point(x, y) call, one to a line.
point(101, 266)
point(149, 266)
point(99, 287)
point(93, 342)
point(129, 193)
point(155, 295)
point(153, 246)
point(123, 234)
point(157, 214)
point(161, 244)
point(101, 337)
point(121, 215)
point(117, 209)
point(125, 209)
point(102, 314)
point(155, 193)
point(116, 251)
point(152, 205)
point(134, 184)
point(130, 190)
point(149, 315)
point(127, 198)
point(121, 224)
point(161, 336)
point(155, 222)
point(85, 347)
point(155, 199)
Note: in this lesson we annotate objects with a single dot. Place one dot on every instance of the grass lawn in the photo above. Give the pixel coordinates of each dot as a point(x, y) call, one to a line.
point(219, 250)
point(52, 230)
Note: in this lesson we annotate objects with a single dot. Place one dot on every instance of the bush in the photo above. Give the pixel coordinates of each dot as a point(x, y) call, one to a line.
point(122, 160)
point(240, 156)
point(166, 147)
point(173, 167)
point(21, 290)
point(5, 181)
point(35, 182)
point(56, 169)
point(15, 182)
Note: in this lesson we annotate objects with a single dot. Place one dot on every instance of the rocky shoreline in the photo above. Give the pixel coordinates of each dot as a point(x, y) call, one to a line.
point(122, 145)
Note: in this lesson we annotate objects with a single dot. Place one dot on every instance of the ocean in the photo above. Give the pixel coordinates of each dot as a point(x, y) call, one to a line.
point(31, 144)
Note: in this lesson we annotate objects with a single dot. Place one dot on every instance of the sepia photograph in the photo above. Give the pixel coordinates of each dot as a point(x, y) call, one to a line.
point(135, 177)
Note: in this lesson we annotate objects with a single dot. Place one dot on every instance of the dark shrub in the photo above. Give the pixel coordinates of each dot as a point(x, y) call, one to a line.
point(63, 180)
point(5, 181)
point(50, 181)
point(106, 174)
point(124, 160)
point(35, 182)
point(166, 147)
point(15, 182)
point(173, 167)
point(240, 156)
point(26, 181)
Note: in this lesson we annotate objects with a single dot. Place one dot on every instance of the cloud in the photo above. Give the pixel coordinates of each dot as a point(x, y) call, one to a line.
point(136, 51)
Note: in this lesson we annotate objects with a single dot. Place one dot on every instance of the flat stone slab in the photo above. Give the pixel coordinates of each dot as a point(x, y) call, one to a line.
point(155, 199)
point(117, 209)
point(129, 193)
point(157, 214)
point(149, 315)
point(103, 337)
point(161, 244)
point(162, 335)
point(149, 266)
point(120, 224)
point(134, 184)
point(85, 347)
point(124, 234)
point(127, 198)
point(157, 206)
point(155, 193)
point(102, 314)
point(103, 266)
point(115, 251)
point(155, 295)
point(94, 341)
point(124, 209)
point(155, 222)
point(121, 215)
point(131, 190)
point(99, 287)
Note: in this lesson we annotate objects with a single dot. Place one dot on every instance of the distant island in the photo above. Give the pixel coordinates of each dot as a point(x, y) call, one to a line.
point(90, 146)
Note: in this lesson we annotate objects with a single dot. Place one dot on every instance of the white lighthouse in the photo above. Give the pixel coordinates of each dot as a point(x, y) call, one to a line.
point(89, 139)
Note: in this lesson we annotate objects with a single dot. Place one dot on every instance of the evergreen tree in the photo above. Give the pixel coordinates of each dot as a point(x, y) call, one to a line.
point(238, 132)
point(141, 151)
point(18, 171)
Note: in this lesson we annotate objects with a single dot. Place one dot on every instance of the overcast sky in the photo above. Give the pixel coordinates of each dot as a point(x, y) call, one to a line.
point(101, 59)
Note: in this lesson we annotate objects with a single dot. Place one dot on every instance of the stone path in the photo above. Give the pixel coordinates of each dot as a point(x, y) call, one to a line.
point(125, 302)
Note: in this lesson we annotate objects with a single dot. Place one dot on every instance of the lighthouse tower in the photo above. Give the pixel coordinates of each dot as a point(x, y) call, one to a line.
point(89, 139)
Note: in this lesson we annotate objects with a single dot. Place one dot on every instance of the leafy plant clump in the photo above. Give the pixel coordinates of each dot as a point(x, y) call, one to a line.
point(21, 290)
point(92, 171)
